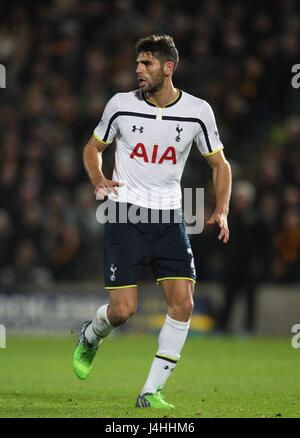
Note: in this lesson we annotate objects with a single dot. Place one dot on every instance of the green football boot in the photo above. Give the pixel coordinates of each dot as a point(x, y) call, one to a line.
point(153, 400)
point(84, 354)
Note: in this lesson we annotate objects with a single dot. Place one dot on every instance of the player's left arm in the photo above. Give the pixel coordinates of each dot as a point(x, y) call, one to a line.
point(222, 185)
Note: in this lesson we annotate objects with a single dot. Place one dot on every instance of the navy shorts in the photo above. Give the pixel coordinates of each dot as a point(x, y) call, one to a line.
point(164, 247)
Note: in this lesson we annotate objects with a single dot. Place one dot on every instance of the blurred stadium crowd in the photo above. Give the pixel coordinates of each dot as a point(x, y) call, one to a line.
point(65, 59)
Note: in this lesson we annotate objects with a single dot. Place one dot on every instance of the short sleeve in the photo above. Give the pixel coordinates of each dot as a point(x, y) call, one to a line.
point(207, 138)
point(107, 128)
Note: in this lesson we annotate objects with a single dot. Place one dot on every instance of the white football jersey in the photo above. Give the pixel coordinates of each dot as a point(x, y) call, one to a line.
point(152, 145)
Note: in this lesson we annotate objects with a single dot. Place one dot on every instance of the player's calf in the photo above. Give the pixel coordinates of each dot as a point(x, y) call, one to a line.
point(91, 335)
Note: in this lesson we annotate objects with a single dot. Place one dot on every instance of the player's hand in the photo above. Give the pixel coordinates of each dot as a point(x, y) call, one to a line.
point(106, 186)
point(221, 220)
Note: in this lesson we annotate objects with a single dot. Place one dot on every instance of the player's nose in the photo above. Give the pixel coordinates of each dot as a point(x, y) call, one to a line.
point(138, 69)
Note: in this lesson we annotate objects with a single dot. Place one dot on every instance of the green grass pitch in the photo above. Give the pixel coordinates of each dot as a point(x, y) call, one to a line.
point(215, 377)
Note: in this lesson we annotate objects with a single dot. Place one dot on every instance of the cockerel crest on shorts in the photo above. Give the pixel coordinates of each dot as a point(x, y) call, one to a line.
point(113, 270)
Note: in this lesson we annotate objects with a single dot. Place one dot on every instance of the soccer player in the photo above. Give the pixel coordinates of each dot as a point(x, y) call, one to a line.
point(154, 128)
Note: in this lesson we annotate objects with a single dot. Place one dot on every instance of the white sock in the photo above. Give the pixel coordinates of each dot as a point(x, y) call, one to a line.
point(100, 327)
point(170, 342)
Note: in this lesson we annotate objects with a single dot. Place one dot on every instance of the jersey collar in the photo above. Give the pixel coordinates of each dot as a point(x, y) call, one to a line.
point(166, 106)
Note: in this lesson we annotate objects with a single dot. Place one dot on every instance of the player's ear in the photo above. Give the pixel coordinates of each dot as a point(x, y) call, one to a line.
point(168, 68)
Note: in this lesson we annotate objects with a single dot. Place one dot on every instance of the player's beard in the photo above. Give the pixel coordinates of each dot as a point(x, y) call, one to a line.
point(155, 84)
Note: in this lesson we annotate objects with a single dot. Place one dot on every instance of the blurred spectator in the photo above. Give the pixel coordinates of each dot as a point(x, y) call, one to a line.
point(25, 270)
point(6, 238)
point(244, 256)
point(60, 238)
point(287, 244)
point(90, 232)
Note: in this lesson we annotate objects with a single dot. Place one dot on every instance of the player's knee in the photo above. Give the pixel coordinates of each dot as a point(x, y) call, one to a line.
point(122, 313)
point(182, 310)
point(188, 306)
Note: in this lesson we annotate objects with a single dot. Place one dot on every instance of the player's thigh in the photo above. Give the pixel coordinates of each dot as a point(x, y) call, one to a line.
point(123, 299)
point(125, 249)
point(173, 256)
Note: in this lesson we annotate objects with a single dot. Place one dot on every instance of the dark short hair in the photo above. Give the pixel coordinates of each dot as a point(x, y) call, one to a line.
point(161, 46)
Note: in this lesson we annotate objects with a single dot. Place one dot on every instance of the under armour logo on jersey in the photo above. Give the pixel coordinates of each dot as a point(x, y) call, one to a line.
point(178, 129)
point(113, 270)
point(141, 129)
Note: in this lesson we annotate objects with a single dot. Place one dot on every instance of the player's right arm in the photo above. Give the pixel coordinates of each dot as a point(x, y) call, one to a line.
point(92, 158)
point(103, 135)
